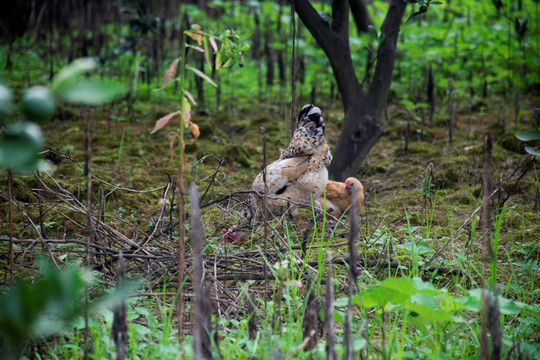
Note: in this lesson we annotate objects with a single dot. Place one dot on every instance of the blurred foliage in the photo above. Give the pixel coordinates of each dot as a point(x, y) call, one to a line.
point(22, 140)
point(34, 310)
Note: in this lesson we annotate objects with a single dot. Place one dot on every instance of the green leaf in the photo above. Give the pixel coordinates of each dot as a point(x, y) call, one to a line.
point(94, 92)
point(423, 299)
point(413, 18)
point(507, 306)
point(38, 104)
point(373, 297)
point(202, 75)
point(373, 33)
point(532, 151)
point(6, 100)
point(382, 37)
point(529, 135)
point(20, 145)
point(341, 302)
point(68, 76)
point(325, 16)
point(436, 3)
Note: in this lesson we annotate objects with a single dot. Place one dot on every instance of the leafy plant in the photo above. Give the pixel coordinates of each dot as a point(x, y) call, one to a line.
point(22, 140)
point(423, 9)
point(531, 136)
point(37, 310)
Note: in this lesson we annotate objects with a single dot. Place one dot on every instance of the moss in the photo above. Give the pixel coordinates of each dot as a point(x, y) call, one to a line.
point(263, 121)
point(236, 154)
point(447, 178)
point(425, 149)
point(240, 126)
point(206, 128)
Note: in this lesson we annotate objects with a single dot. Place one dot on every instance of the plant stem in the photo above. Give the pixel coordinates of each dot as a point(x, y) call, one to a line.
point(181, 242)
point(10, 220)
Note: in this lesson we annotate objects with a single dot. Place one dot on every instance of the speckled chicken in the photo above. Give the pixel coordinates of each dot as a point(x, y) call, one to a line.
point(298, 176)
point(339, 196)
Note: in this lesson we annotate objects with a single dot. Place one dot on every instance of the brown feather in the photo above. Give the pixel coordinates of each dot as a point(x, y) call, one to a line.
point(338, 198)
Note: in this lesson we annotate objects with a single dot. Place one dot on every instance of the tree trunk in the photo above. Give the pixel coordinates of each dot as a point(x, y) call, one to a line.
point(268, 52)
point(363, 108)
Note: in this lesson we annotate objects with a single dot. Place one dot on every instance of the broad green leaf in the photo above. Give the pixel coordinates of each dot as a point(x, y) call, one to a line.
point(426, 314)
point(423, 299)
point(374, 297)
point(94, 92)
point(534, 321)
point(402, 285)
point(426, 287)
point(532, 151)
point(436, 3)
point(38, 104)
point(202, 75)
point(529, 135)
point(413, 18)
point(506, 306)
point(341, 302)
point(68, 76)
point(20, 145)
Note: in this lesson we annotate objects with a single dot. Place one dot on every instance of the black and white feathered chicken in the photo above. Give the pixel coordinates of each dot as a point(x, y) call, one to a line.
point(298, 177)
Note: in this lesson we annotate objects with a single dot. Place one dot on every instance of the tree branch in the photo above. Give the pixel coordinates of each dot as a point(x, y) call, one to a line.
point(335, 44)
point(340, 18)
point(360, 15)
point(321, 31)
point(382, 78)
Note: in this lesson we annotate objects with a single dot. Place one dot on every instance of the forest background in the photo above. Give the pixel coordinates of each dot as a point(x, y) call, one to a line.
point(122, 105)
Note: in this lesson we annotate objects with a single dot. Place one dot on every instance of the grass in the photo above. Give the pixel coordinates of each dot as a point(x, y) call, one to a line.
point(395, 313)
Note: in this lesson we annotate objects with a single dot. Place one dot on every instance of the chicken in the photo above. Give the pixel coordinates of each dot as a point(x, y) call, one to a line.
point(299, 175)
point(339, 196)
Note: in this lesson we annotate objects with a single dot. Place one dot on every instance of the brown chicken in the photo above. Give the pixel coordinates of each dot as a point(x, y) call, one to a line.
point(339, 196)
point(298, 176)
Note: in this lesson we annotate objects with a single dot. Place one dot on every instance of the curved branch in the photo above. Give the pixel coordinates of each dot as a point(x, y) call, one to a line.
point(317, 26)
point(382, 78)
point(335, 43)
point(360, 15)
